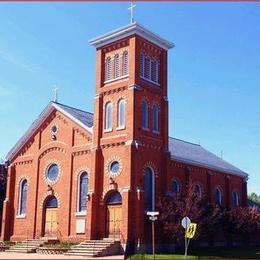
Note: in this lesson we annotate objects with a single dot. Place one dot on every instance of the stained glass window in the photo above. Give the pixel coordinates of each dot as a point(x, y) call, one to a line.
point(149, 188)
point(52, 172)
point(144, 114)
point(114, 198)
point(23, 197)
point(83, 193)
point(52, 202)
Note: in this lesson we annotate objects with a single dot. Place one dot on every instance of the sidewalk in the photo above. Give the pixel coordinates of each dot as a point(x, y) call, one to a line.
point(7, 255)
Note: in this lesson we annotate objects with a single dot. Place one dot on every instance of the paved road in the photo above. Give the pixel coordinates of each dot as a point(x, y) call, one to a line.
point(6, 255)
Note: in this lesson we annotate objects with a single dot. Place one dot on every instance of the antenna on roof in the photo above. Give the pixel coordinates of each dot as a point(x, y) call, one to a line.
point(221, 154)
point(131, 8)
point(55, 89)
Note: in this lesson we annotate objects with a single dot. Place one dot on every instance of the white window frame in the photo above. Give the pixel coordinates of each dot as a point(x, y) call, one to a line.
point(23, 215)
point(108, 69)
point(119, 116)
point(78, 212)
point(220, 193)
point(155, 106)
point(125, 63)
point(116, 66)
point(145, 127)
point(108, 128)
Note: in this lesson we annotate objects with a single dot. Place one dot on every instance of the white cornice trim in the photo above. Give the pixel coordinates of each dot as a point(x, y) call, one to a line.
point(128, 30)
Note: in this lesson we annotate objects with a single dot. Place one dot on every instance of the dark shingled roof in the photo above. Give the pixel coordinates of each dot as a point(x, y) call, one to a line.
point(196, 154)
point(85, 117)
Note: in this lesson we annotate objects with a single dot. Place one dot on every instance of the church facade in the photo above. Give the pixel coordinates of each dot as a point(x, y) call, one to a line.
point(75, 175)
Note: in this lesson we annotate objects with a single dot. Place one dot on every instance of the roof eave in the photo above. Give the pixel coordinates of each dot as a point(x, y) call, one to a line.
point(128, 30)
point(211, 167)
point(35, 125)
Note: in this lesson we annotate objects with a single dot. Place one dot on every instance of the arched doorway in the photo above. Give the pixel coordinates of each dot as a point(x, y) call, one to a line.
point(113, 214)
point(51, 217)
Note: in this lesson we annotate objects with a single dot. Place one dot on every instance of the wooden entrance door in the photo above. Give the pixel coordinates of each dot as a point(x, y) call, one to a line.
point(51, 222)
point(114, 219)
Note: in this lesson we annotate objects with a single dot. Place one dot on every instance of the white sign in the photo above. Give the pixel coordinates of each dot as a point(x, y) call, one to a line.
point(80, 226)
point(152, 213)
point(185, 222)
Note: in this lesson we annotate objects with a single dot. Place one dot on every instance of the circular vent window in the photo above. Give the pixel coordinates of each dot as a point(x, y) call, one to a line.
point(53, 172)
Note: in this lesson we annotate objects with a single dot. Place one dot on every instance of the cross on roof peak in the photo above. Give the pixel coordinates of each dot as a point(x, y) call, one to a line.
point(55, 89)
point(131, 8)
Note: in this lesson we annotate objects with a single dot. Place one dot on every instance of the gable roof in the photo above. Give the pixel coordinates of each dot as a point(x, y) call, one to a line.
point(197, 155)
point(130, 29)
point(80, 117)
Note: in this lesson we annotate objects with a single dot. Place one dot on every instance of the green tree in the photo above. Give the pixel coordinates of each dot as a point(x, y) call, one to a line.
point(254, 197)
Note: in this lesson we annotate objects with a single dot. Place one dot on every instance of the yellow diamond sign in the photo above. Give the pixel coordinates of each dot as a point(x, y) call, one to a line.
point(191, 230)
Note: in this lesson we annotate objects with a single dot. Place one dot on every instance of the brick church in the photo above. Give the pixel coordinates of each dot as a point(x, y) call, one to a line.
point(77, 175)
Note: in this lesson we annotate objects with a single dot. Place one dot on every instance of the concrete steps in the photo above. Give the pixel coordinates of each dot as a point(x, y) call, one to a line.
point(27, 246)
point(95, 248)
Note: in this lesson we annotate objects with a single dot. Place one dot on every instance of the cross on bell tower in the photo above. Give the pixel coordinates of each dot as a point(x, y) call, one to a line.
point(131, 8)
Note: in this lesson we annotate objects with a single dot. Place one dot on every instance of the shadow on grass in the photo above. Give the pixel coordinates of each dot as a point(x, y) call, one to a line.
point(208, 253)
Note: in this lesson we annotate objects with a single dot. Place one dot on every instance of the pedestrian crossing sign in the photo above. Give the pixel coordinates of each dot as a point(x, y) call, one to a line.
point(191, 230)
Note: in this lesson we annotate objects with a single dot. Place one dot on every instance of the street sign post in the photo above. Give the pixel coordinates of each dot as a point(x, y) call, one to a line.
point(190, 229)
point(185, 222)
point(153, 215)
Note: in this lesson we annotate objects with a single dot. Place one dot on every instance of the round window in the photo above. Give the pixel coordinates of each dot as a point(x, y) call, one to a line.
point(52, 172)
point(54, 129)
point(114, 167)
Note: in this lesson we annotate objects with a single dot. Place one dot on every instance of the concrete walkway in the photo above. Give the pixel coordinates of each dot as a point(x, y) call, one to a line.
point(7, 255)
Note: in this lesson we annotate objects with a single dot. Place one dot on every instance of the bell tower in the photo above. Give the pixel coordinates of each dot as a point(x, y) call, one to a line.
point(130, 122)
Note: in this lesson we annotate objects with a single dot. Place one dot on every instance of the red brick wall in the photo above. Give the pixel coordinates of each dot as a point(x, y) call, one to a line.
point(76, 150)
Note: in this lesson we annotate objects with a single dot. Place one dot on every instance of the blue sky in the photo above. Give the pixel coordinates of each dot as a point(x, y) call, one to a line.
point(214, 71)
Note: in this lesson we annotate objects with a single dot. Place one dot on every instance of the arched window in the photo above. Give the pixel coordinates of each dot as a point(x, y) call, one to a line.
point(149, 189)
point(198, 190)
point(83, 192)
point(157, 72)
point(23, 197)
point(108, 116)
point(125, 63)
point(176, 187)
point(116, 66)
point(218, 196)
point(52, 202)
point(145, 114)
point(155, 118)
point(153, 68)
point(147, 64)
point(108, 69)
point(142, 65)
point(121, 113)
point(114, 198)
point(235, 199)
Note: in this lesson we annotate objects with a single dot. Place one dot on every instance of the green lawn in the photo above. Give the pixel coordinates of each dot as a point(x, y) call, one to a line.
point(208, 253)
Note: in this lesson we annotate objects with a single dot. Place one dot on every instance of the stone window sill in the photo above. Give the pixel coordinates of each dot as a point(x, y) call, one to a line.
point(145, 129)
point(151, 81)
point(81, 214)
point(120, 128)
point(108, 130)
point(115, 79)
point(21, 216)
